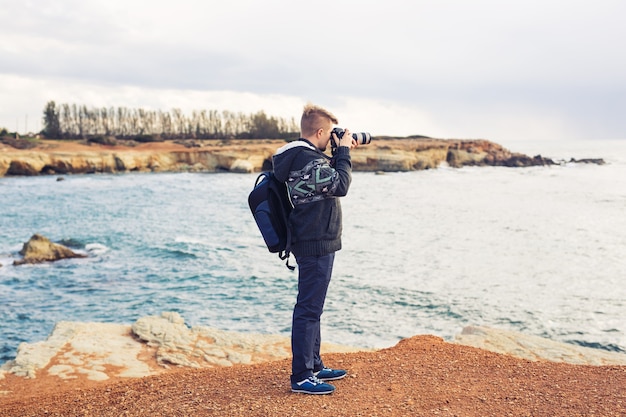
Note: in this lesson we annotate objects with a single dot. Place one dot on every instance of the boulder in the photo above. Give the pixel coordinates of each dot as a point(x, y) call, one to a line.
point(40, 249)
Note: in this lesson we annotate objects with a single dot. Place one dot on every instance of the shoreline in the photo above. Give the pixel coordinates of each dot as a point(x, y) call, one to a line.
point(61, 157)
point(420, 375)
point(154, 343)
point(96, 359)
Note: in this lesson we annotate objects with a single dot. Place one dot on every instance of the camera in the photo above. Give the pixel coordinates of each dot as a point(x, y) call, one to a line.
point(362, 138)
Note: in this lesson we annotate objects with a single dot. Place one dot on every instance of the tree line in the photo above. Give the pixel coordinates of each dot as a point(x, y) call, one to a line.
point(71, 121)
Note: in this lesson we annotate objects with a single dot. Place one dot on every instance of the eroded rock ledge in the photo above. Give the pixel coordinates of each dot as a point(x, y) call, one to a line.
point(384, 154)
point(150, 346)
point(153, 344)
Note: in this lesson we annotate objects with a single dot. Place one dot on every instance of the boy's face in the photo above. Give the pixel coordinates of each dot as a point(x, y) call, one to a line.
point(325, 135)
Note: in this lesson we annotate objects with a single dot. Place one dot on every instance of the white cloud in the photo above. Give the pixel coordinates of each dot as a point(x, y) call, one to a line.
point(384, 118)
point(447, 68)
point(379, 117)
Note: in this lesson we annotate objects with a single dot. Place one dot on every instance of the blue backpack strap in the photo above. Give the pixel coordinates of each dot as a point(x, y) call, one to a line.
point(285, 254)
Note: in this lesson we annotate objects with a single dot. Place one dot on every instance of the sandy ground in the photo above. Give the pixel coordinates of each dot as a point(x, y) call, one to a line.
point(421, 376)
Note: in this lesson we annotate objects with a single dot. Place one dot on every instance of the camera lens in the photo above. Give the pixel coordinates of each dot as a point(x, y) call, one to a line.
point(362, 138)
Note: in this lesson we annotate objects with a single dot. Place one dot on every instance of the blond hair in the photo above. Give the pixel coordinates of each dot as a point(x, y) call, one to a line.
point(313, 118)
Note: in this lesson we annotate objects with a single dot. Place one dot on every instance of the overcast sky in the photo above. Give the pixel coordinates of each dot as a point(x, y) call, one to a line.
point(494, 69)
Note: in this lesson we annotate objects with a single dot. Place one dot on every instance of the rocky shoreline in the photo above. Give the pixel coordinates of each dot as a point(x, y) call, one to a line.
point(159, 366)
point(178, 345)
point(156, 344)
point(61, 157)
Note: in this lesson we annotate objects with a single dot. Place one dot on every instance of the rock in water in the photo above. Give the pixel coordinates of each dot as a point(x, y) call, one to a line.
point(40, 249)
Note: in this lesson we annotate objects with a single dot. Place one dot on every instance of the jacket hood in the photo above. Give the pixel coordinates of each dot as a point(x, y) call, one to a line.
point(284, 156)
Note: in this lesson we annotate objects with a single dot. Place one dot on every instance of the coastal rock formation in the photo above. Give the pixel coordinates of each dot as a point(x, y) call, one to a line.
point(154, 344)
point(66, 157)
point(483, 153)
point(150, 346)
point(40, 249)
point(201, 347)
point(535, 348)
point(93, 350)
point(382, 154)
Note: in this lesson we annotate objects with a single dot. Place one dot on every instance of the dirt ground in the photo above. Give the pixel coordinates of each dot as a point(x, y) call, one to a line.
point(421, 376)
point(75, 146)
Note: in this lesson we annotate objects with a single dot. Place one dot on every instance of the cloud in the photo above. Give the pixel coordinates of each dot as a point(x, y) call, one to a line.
point(448, 68)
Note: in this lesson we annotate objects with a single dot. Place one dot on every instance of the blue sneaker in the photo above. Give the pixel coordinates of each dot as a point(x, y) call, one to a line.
point(328, 374)
point(312, 385)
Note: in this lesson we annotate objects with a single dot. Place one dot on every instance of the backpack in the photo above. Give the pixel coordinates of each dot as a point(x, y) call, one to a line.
point(271, 206)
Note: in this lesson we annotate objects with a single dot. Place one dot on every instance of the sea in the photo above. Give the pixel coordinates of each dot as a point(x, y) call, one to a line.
point(538, 250)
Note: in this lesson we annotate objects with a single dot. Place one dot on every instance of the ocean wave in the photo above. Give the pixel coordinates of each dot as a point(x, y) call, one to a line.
point(610, 347)
point(96, 249)
point(194, 240)
point(71, 243)
point(176, 254)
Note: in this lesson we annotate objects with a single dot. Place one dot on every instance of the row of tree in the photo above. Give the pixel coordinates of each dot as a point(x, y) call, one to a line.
point(71, 121)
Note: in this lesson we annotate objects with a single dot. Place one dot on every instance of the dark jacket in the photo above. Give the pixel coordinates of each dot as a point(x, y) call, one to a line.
point(314, 181)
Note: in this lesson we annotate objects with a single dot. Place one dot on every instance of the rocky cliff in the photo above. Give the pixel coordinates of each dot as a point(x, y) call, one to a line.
point(385, 154)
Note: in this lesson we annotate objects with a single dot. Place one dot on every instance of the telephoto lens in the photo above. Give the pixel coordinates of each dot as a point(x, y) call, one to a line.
point(362, 138)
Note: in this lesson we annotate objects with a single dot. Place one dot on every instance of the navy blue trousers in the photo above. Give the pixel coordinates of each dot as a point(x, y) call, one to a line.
point(313, 278)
